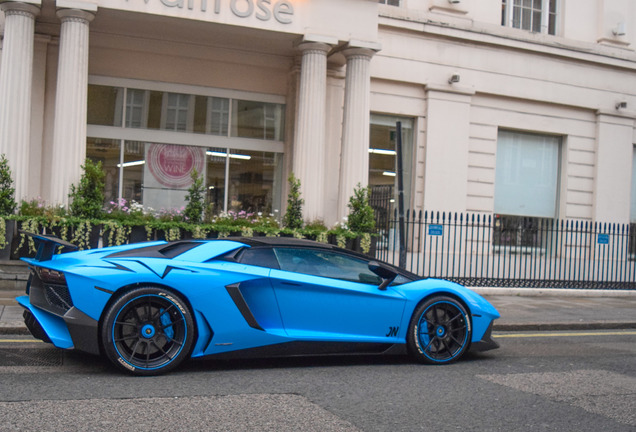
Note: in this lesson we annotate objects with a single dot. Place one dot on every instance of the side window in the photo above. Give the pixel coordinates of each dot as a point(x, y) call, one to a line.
point(262, 257)
point(326, 264)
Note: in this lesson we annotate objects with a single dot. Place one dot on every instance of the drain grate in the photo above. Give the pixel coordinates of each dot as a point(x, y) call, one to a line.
point(30, 357)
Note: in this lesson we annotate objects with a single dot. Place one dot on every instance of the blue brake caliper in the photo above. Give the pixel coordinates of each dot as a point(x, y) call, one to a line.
point(165, 321)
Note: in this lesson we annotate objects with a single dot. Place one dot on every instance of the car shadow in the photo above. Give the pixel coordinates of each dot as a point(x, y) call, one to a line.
point(99, 364)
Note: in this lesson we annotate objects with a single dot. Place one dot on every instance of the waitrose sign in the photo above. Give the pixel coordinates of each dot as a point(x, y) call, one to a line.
point(263, 10)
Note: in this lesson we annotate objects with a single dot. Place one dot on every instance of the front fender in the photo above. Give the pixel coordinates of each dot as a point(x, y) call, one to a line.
point(482, 313)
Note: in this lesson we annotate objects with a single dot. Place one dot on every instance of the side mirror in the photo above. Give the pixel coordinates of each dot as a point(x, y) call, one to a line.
point(386, 273)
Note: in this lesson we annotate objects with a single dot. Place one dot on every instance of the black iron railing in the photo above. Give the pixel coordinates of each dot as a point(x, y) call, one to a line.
point(510, 251)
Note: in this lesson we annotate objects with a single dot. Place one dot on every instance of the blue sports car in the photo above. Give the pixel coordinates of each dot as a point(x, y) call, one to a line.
point(149, 306)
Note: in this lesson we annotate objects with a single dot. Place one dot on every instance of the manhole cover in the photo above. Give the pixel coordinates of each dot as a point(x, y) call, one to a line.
point(30, 357)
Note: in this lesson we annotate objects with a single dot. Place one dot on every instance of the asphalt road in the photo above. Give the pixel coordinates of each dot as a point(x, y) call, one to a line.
point(547, 381)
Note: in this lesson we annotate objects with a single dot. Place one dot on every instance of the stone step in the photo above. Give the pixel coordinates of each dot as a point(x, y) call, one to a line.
point(7, 298)
point(13, 275)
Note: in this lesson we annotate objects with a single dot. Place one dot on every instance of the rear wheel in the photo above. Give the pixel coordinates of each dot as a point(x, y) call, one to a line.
point(439, 331)
point(147, 331)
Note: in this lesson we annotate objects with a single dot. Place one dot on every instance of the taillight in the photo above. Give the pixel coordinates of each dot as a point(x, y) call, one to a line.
point(51, 276)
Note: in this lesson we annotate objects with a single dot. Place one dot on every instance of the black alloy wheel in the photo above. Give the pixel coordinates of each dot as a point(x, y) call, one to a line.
point(148, 331)
point(440, 331)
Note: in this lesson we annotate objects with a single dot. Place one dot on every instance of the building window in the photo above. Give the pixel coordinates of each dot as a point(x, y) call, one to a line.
point(526, 187)
point(520, 231)
point(390, 2)
point(177, 112)
point(537, 16)
point(137, 108)
point(258, 120)
point(105, 105)
point(219, 115)
point(189, 113)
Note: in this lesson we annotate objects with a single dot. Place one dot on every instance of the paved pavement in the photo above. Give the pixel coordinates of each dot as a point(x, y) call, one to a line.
point(520, 309)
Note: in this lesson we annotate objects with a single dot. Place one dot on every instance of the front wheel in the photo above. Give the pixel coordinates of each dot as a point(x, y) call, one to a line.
point(147, 331)
point(439, 331)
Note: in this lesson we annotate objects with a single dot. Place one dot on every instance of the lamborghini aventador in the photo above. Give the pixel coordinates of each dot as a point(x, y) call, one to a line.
point(148, 307)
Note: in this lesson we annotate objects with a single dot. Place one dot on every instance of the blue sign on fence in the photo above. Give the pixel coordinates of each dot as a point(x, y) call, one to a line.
point(435, 230)
point(602, 239)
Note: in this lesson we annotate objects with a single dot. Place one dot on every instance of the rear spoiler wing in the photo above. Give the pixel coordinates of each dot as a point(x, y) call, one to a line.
point(48, 244)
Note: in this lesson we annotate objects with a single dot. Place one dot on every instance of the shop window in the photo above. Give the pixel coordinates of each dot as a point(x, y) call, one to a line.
point(216, 161)
point(132, 171)
point(108, 152)
point(254, 181)
point(158, 175)
point(383, 164)
point(526, 186)
point(537, 16)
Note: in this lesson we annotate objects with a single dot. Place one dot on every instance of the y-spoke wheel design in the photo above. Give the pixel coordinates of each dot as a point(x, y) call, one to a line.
point(439, 331)
point(147, 331)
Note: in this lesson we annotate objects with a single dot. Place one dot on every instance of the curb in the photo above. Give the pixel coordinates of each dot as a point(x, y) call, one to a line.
point(14, 329)
point(564, 326)
point(552, 292)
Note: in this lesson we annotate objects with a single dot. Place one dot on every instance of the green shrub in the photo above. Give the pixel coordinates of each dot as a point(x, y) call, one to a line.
point(293, 218)
point(196, 199)
point(87, 198)
point(361, 216)
point(7, 191)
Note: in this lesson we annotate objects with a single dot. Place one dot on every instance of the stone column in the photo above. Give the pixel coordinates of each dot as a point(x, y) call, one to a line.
point(69, 128)
point(15, 90)
point(354, 158)
point(613, 168)
point(447, 120)
point(309, 150)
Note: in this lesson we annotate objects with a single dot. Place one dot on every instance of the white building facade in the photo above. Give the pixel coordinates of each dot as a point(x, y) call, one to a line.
point(512, 107)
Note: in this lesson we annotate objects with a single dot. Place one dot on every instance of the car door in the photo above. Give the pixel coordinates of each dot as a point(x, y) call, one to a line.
point(332, 296)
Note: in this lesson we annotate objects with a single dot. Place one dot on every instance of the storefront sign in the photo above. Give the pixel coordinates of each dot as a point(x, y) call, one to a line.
point(172, 165)
point(264, 10)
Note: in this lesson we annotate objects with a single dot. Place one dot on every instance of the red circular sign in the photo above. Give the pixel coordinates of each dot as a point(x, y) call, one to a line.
point(172, 164)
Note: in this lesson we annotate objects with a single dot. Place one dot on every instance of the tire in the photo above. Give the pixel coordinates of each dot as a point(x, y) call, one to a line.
point(147, 331)
point(439, 331)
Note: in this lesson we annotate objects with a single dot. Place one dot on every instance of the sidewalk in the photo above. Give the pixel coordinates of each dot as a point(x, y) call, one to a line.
point(559, 312)
point(521, 309)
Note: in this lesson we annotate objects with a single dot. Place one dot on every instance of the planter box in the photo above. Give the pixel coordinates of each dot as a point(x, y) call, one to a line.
point(5, 253)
